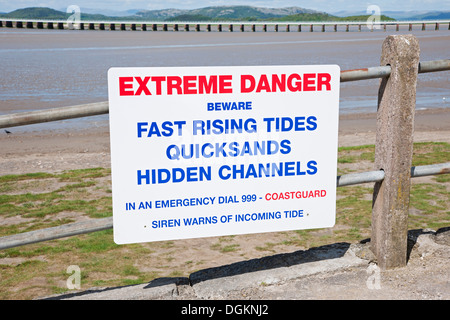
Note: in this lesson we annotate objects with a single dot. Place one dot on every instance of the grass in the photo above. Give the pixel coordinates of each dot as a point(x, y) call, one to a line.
point(41, 200)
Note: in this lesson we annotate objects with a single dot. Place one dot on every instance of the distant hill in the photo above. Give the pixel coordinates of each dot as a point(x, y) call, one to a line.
point(36, 13)
point(402, 15)
point(432, 16)
point(48, 14)
point(223, 13)
point(218, 13)
point(328, 17)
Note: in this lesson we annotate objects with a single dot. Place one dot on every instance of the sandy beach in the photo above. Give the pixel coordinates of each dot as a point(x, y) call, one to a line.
point(64, 146)
point(58, 150)
point(37, 82)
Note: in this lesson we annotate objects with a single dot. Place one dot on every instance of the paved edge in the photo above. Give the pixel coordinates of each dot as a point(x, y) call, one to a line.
point(216, 283)
point(225, 281)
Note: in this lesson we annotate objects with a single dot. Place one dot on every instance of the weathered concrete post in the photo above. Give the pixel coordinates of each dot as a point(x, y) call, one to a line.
point(393, 150)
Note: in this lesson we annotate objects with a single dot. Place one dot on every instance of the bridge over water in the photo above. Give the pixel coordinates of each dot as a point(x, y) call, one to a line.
point(230, 26)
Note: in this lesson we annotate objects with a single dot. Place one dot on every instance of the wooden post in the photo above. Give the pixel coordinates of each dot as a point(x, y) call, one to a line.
point(393, 150)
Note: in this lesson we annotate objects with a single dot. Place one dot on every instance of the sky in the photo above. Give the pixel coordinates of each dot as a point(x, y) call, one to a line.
point(319, 5)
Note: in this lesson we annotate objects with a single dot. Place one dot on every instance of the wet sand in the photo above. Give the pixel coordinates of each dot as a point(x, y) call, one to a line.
point(58, 150)
point(49, 69)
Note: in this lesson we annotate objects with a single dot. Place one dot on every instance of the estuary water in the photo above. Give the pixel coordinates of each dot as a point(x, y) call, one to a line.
point(52, 68)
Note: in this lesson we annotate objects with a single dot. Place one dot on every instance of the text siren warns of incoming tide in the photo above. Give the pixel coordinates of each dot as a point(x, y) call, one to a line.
point(213, 151)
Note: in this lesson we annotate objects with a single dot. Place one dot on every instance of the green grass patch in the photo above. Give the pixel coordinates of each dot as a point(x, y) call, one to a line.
point(41, 200)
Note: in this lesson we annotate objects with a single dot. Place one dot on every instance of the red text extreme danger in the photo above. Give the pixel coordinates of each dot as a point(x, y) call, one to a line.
point(223, 84)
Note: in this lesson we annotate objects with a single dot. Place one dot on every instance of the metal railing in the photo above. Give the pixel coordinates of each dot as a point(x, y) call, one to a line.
point(164, 25)
point(92, 109)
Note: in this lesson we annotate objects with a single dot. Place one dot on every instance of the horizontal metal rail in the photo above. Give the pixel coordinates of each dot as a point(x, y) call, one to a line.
point(358, 178)
point(66, 230)
point(385, 71)
point(55, 114)
point(92, 109)
point(94, 225)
